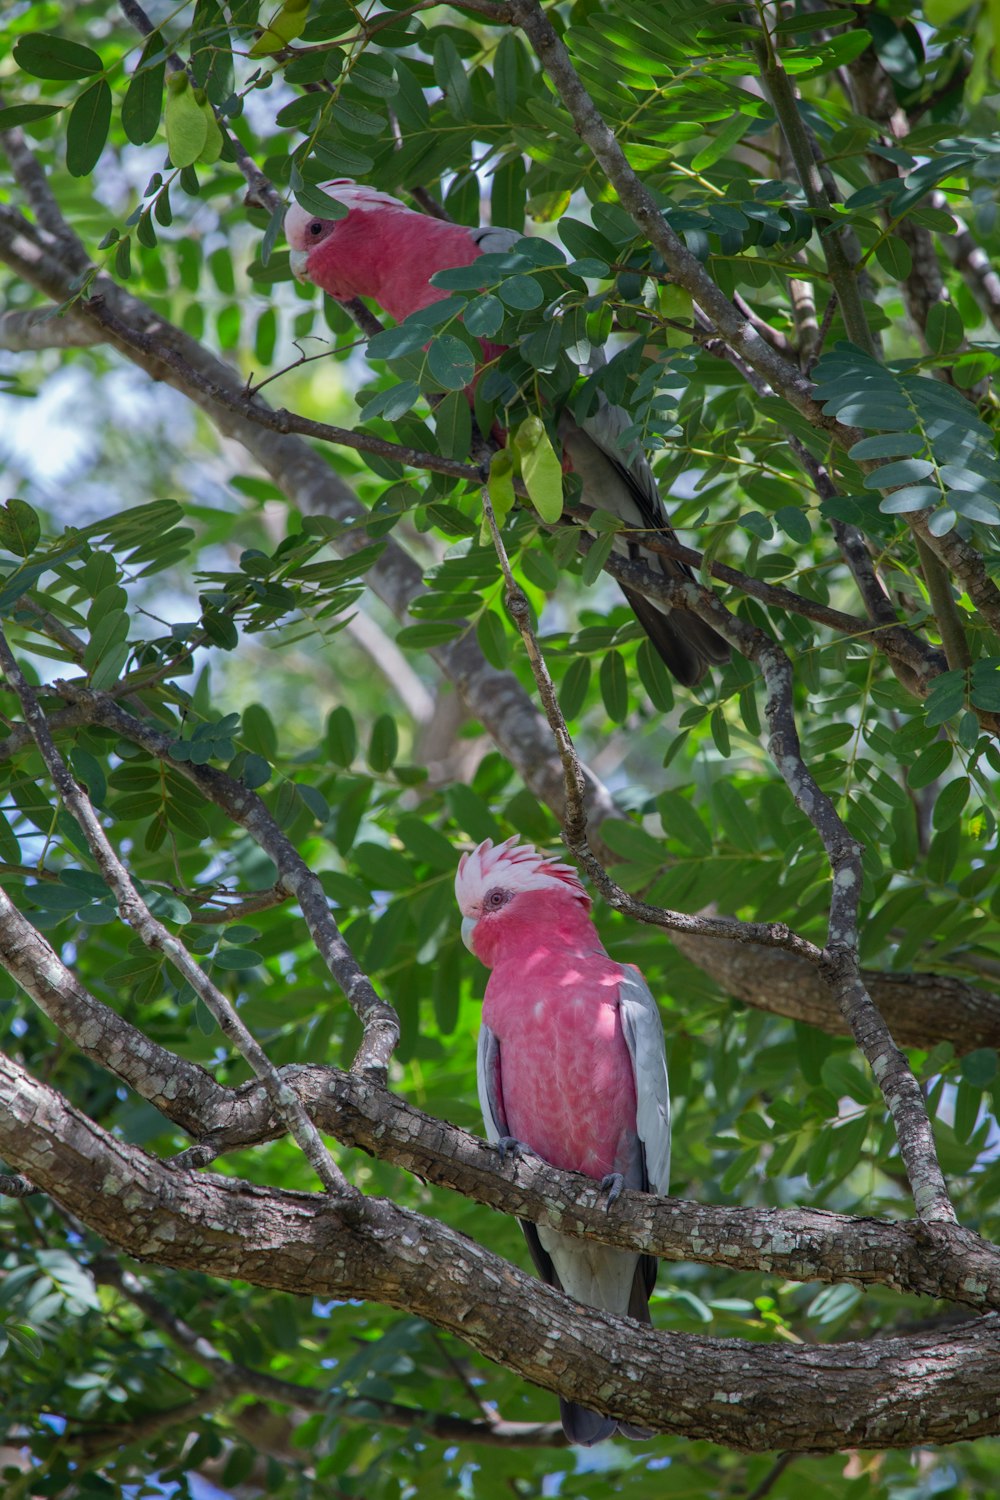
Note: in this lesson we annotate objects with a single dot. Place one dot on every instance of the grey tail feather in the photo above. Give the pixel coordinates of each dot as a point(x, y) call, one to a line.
point(642, 1285)
point(637, 1434)
point(584, 1426)
point(686, 644)
point(580, 1424)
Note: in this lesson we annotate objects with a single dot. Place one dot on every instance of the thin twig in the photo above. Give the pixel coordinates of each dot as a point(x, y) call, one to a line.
point(772, 1476)
point(137, 915)
point(575, 817)
point(430, 204)
point(242, 906)
point(244, 807)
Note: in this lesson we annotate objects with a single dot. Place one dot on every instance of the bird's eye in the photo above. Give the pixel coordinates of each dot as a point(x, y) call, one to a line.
point(316, 227)
point(494, 899)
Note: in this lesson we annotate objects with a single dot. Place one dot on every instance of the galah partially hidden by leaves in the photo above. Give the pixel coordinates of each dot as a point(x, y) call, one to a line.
point(384, 250)
point(571, 1066)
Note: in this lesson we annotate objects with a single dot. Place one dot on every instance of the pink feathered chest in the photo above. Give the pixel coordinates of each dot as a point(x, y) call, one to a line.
point(566, 1075)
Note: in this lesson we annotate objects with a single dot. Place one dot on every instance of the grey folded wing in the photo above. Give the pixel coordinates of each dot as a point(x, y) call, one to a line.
point(489, 1085)
point(616, 477)
point(643, 1031)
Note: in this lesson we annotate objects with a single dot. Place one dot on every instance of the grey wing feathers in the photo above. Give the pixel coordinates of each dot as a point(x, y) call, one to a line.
point(495, 241)
point(643, 1031)
point(488, 1082)
point(616, 477)
point(605, 427)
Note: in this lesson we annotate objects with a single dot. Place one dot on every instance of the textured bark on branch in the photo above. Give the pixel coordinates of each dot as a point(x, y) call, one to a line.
point(920, 1009)
point(799, 1244)
point(890, 1392)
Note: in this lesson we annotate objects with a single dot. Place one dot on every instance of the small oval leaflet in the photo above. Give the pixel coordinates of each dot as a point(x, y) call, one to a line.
point(451, 362)
point(540, 468)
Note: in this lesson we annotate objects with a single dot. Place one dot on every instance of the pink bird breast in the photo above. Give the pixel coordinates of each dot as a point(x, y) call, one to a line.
point(552, 1003)
point(568, 1086)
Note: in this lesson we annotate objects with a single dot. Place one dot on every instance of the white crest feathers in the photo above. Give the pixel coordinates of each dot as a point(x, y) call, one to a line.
point(346, 191)
point(517, 867)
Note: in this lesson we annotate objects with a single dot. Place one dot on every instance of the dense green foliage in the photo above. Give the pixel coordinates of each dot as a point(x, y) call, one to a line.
point(156, 559)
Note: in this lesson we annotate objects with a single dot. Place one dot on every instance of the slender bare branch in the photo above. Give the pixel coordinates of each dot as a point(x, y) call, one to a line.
point(181, 1090)
point(136, 913)
point(380, 1022)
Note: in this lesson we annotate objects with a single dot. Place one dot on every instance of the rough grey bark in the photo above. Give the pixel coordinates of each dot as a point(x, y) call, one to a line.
point(920, 1009)
point(937, 1387)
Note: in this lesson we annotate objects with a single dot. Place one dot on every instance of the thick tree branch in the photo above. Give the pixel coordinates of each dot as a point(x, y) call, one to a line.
point(360, 1113)
point(919, 1009)
point(800, 1244)
point(889, 1392)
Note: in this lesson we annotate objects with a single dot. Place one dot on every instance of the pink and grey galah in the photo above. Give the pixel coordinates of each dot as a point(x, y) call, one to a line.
point(571, 1066)
point(384, 250)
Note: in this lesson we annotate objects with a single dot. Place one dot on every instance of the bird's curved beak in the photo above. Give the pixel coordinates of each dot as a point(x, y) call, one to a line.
point(468, 928)
point(298, 259)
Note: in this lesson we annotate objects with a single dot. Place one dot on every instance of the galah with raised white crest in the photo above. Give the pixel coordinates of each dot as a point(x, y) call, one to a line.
point(571, 1065)
point(384, 250)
